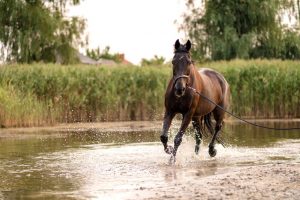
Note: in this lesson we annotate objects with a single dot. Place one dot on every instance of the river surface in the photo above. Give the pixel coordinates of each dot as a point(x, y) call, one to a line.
point(131, 164)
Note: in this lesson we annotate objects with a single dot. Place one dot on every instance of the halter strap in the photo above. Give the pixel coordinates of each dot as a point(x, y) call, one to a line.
point(179, 77)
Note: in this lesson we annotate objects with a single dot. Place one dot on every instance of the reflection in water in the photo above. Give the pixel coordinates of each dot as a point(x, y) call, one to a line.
point(247, 135)
point(120, 165)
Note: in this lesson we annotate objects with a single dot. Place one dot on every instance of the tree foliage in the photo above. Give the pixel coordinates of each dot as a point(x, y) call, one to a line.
point(155, 61)
point(38, 30)
point(226, 29)
point(97, 54)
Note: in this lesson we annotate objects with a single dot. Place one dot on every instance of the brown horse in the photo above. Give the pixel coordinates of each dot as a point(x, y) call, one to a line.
point(180, 97)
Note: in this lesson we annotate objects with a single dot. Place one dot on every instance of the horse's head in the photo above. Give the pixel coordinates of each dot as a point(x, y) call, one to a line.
point(181, 67)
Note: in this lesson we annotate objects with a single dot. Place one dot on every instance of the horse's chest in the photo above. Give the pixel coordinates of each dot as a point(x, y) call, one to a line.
point(181, 105)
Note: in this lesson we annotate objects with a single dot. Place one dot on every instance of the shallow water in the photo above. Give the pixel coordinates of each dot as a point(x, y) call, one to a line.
point(129, 165)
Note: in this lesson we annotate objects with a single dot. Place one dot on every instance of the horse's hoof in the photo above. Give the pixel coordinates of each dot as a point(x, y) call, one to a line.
point(197, 147)
point(172, 160)
point(212, 152)
point(169, 150)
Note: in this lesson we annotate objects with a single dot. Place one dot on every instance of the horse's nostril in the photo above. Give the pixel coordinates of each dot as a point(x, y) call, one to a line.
point(180, 91)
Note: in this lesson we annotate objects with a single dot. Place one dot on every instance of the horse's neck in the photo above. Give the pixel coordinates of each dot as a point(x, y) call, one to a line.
point(196, 78)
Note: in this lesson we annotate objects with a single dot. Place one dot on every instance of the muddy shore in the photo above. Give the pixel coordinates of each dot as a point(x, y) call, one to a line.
point(124, 126)
point(274, 181)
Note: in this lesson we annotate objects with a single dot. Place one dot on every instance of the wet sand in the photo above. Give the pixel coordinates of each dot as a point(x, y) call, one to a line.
point(231, 175)
point(127, 126)
point(273, 181)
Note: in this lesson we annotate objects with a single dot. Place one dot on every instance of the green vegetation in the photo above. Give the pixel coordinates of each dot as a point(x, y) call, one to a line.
point(262, 88)
point(228, 29)
point(155, 61)
point(96, 54)
point(87, 93)
point(44, 94)
point(17, 109)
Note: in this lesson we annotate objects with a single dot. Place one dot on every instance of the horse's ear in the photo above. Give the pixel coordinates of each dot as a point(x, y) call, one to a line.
point(177, 44)
point(188, 45)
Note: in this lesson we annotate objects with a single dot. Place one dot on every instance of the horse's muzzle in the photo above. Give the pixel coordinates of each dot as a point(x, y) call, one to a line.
point(180, 87)
point(179, 92)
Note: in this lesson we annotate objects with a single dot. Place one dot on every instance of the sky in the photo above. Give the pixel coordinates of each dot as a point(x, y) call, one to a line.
point(137, 28)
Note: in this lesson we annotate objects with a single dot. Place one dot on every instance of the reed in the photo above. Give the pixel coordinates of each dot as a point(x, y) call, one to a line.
point(17, 109)
point(260, 89)
point(88, 93)
point(263, 88)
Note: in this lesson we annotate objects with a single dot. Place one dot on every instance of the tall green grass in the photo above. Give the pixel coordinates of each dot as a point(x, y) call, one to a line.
point(89, 93)
point(259, 88)
point(263, 88)
point(17, 109)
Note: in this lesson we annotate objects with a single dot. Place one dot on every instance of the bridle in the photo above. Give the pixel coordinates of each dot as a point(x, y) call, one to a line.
point(179, 77)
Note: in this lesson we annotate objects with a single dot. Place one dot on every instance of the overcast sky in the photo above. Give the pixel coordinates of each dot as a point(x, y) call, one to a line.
point(138, 28)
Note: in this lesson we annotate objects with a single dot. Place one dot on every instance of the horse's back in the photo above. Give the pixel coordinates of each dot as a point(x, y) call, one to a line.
point(213, 79)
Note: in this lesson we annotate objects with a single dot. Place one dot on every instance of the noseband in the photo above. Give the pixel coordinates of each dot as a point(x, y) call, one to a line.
point(179, 77)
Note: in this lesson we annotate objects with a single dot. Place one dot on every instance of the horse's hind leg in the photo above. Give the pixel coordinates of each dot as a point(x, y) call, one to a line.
point(198, 135)
point(219, 116)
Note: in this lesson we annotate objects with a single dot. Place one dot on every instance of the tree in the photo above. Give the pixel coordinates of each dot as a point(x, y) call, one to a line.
point(227, 29)
point(38, 30)
point(156, 61)
point(96, 54)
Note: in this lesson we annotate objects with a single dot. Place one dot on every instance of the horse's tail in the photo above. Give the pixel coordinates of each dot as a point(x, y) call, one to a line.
point(206, 125)
point(208, 129)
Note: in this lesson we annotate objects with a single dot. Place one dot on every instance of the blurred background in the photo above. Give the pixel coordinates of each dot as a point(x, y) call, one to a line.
point(91, 61)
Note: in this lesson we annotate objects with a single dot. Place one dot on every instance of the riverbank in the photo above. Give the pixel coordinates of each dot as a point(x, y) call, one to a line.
point(124, 126)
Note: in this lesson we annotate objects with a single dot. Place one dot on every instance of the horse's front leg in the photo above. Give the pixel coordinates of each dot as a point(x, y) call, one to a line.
point(164, 135)
point(178, 138)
